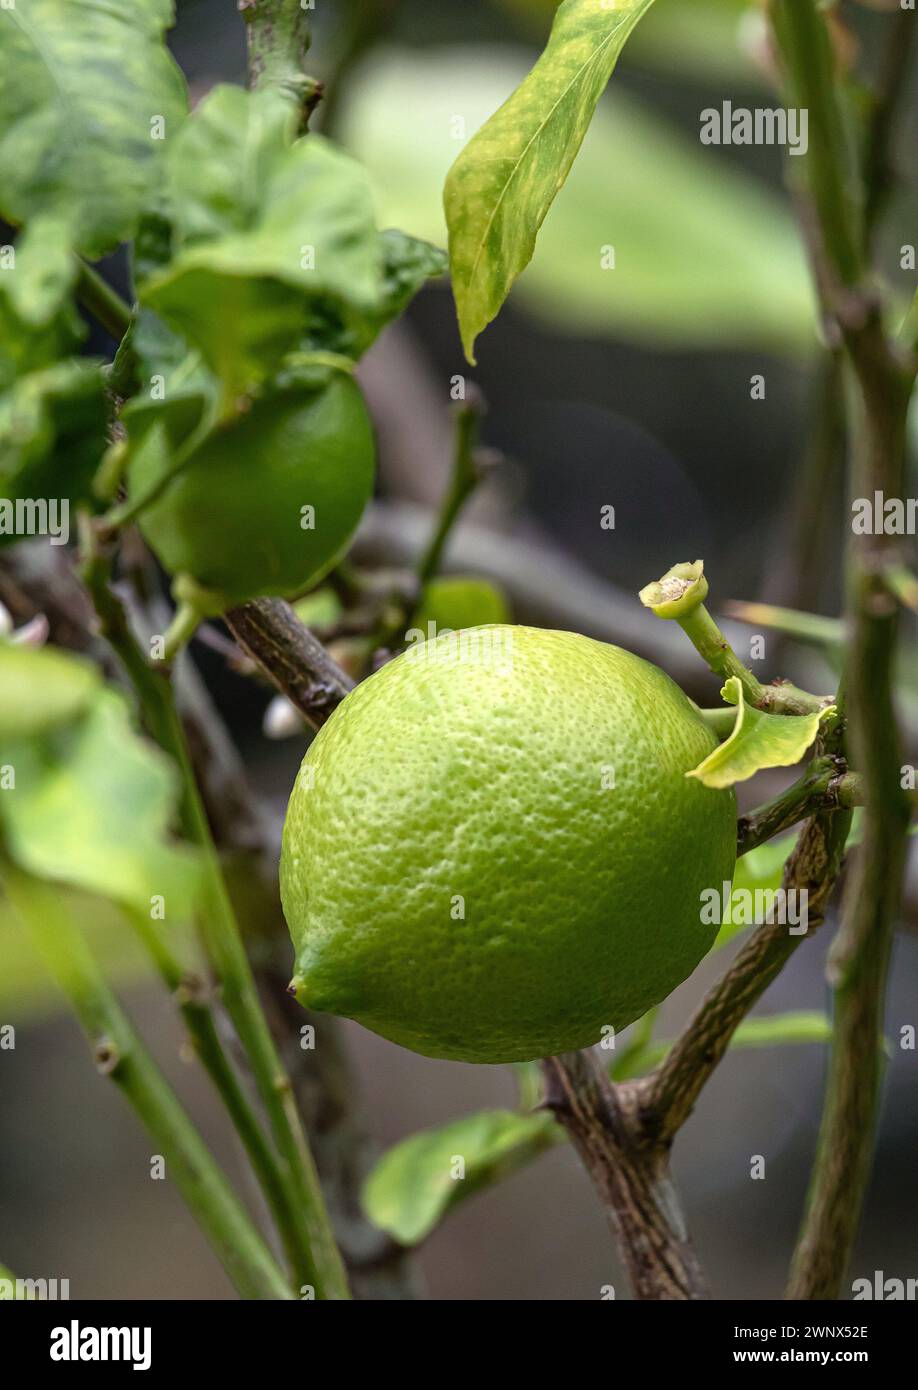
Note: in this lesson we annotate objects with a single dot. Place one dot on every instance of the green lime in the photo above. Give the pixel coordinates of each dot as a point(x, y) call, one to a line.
point(459, 601)
point(492, 852)
point(266, 505)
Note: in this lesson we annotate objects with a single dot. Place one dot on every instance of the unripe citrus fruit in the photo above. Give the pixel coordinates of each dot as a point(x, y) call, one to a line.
point(233, 519)
point(492, 852)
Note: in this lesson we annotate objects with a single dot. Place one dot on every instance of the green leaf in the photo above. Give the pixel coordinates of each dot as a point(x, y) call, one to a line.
point(413, 1186)
point(43, 274)
point(499, 190)
point(39, 689)
point(38, 323)
point(783, 1030)
point(274, 243)
point(758, 741)
point(761, 869)
point(704, 252)
point(52, 437)
point(82, 84)
point(91, 801)
point(777, 1030)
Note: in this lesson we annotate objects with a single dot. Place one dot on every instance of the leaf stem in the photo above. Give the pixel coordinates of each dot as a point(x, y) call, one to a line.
point(806, 627)
point(120, 1054)
point(104, 303)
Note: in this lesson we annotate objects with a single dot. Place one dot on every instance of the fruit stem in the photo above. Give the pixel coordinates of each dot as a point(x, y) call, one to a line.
point(466, 474)
point(720, 721)
point(680, 594)
point(185, 622)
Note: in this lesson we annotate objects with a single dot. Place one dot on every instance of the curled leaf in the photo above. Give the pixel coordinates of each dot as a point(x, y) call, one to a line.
point(758, 741)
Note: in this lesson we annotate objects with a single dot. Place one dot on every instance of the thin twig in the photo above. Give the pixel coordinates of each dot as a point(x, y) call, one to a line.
point(307, 1229)
point(102, 301)
point(464, 478)
point(120, 1054)
point(825, 786)
point(290, 656)
point(191, 996)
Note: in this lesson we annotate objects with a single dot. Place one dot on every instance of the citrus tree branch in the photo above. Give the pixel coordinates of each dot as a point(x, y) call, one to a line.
point(885, 102)
point(669, 1094)
point(631, 1178)
point(268, 630)
point(191, 996)
point(859, 958)
point(826, 785)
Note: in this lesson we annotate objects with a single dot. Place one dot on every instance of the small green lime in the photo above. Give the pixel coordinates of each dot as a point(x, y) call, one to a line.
point(266, 505)
point(459, 601)
point(492, 852)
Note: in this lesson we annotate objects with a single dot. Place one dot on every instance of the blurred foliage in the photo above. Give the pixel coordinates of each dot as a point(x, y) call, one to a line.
point(26, 994)
point(83, 86)
point(704, 253)
point(53, 415)
point(702, 39)
point(93, 800)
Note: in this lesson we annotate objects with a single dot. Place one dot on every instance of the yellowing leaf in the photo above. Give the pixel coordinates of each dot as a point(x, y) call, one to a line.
point(500, 188)
point(758, 740)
